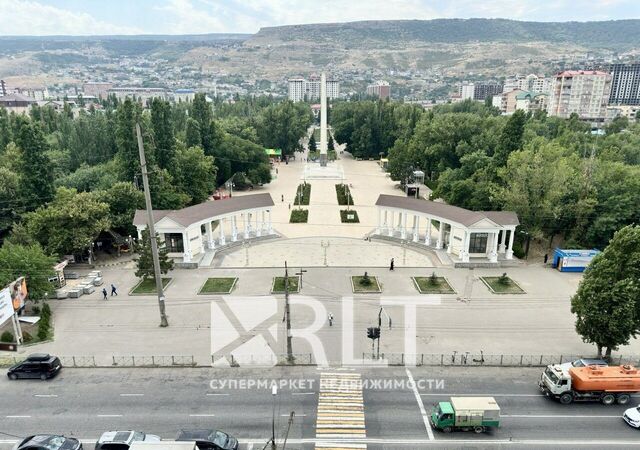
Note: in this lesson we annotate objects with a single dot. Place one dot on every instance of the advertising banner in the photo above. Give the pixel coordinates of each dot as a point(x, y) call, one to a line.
point(6, 306)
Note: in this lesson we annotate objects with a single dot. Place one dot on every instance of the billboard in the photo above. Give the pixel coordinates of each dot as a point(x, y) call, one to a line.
point(18, 293)
point(6, 305)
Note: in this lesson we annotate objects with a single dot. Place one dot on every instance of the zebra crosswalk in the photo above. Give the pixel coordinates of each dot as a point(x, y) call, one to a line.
point(340, 412)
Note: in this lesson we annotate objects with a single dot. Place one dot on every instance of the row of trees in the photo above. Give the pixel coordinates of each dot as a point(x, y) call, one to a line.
point(560, 178)
point(65, 178)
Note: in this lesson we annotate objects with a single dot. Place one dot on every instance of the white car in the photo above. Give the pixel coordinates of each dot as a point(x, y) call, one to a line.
point(632, 416)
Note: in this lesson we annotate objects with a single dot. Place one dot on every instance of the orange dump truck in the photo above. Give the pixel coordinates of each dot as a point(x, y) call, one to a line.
point(591, 383)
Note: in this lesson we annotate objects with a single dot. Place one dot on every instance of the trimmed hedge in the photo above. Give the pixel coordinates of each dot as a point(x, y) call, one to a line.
point(344, 195)
point(345, 213)
point(303, 193)
point(299, 216)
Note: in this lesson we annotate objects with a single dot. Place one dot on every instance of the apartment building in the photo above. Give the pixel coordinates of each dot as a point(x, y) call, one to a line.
point(625, 84)
point(479, 90)
point(583, 92)
point(528, 83)
point(380, 89)
point(301, 89)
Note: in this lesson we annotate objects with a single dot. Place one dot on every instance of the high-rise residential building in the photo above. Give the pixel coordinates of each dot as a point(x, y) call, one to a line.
point(583, 92)
point(625, 84)
point(301, 89)
point(529, 83)
point(3, 88)
point(380, 89)
point(479, 90)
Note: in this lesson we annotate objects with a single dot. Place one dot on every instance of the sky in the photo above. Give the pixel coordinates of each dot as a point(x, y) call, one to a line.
point(87, 17)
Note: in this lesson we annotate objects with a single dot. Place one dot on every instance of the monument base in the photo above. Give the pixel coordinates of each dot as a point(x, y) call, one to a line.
point(323, 159)
point(318, 172)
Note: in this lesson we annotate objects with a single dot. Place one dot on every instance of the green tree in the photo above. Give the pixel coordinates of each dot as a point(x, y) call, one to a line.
point(201, 112)
point(162, 132)
point(35, 171)
point(10, 206)
point(283, 125)
point(127, 116)
point(607, 303)
point(69, 224)
point(194, 173)
point(28, 261)
point(123, 199)
point(312, 143)
point(144, 260)
point(192, 136)
point(5, 129)
point(510, 137)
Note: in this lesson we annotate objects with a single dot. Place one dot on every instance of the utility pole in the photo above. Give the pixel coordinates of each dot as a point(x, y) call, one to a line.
point(152, 230)
point(287, 313)
point(286, 436)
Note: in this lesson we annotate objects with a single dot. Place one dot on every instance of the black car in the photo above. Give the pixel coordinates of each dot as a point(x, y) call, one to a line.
point(209, 439)
point(38, 365)
point(48, 442)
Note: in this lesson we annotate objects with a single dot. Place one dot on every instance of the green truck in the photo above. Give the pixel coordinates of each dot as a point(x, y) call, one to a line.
point(465, 414)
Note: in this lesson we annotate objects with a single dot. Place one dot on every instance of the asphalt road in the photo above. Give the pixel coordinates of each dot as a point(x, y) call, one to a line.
point(86, 402)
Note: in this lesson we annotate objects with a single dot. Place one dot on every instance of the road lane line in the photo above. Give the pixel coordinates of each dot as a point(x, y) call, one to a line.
point(131, 395)
point(560, 416)
point(109, 415)
point(17, 417)
point(45, 395)
point(201, 415)
point(302, 393)
point(425, 418)
point(211, 394)
point(473, 394)
point(297, 415)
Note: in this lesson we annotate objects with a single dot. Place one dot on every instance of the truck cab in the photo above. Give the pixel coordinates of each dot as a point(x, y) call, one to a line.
point(442, 416)
point(555, 380)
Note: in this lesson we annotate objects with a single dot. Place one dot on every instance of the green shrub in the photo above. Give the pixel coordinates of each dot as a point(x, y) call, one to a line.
point(303, 194)
point(26, 337)
point(349, 216)
point(365, 280)
point(299, 216)
point(7, 336)
point(43, 333)
point(36, 310)
point(46, 310)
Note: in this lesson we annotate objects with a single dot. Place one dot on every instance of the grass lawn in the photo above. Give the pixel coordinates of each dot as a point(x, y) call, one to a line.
point(303, 194)
point(278, 285)
point(148, 286)
point(360, 287)
point(498, 286)
point(218, 285)
point(426, 285)
point(349, 216)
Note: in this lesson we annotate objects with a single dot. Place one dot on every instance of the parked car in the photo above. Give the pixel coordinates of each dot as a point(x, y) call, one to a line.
point(48, 442)
point(122, 440)
point(584, 362)
point(37, 365)
point(632, 416)
point(209, 439)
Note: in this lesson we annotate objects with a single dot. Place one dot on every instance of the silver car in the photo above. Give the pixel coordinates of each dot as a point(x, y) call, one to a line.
point(122, 440)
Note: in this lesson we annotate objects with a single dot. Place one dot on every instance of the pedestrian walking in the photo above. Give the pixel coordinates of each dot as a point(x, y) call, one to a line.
point(330, 318)
point(546, 257)
point(391, 265)
point(104, 294)
point(289, 206)
point(113, 290)
point(282, 198)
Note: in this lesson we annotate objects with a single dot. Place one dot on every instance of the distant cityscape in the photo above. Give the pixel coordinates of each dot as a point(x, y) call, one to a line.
point(597, 94)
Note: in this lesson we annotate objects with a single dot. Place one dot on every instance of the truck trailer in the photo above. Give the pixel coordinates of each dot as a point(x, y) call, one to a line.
point(592, 383)
point(465, 414)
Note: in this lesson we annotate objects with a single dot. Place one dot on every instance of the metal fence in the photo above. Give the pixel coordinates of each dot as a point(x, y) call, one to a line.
point(153, 361)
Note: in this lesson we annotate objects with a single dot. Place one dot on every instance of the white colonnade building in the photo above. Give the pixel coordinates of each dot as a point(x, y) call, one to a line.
point(189, 232)
point(463, 233)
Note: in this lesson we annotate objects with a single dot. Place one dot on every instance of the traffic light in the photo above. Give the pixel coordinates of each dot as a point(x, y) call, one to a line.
point(373, 332)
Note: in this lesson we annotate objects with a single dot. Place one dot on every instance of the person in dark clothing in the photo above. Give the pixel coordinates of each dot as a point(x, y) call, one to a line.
point(104, 294)
point(113, 290)
point(391, 265)
point(546, 257)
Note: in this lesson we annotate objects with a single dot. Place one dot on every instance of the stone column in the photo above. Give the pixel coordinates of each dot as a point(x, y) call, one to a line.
point(403, 226)
point(186, 247)
point(221, 238)
point(247, 224)
point(379, 227)
point(509, 254)
point(493, 255)
point(386, 221)
point(502, 249)
point(140, 233)
point(391, 224)
point(427, 235)
point(440, 240)
point(416, 224)
point(258, 230)
point(450, 246)
point(234, 228)
point(270, 229)
point(464, 253)
point(211, 243)
point(260, 227)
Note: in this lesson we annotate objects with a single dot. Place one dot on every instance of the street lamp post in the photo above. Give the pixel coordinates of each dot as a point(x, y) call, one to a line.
point(325, 246)
point(302, 271)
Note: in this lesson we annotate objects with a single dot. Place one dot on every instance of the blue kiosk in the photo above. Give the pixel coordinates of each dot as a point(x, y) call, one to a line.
point(572, 260)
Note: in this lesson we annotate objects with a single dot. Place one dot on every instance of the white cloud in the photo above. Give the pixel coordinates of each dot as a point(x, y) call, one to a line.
point(184, 18)
point(27, 17)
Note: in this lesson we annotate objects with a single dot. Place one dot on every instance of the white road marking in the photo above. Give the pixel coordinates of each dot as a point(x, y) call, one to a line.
point(17, 417)
point(131, 395)
point(201, 415)
point(425, 418)
point(561, 416)
point(482, 395)
point(211, 394)
point(45, 395)
point(109, 415)
point(297, 415)
point(250, 446)
point(302, 393)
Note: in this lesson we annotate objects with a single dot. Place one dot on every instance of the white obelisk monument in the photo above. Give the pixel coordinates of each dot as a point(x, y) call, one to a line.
point(323, 120)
